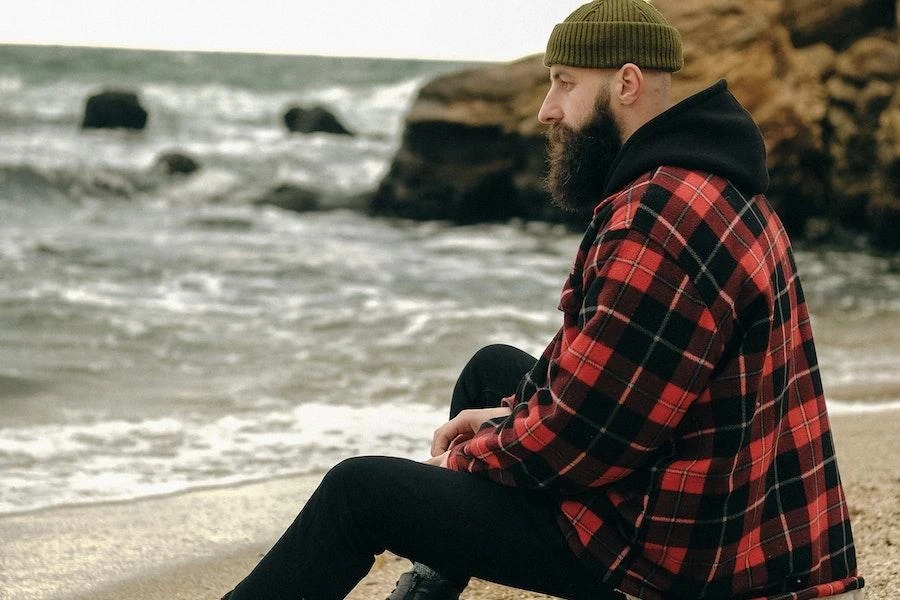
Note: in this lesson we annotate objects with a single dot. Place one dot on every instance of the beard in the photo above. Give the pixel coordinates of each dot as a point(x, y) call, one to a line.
point(579, 160)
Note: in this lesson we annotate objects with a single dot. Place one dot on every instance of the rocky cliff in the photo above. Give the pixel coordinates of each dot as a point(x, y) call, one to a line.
point(819, 78)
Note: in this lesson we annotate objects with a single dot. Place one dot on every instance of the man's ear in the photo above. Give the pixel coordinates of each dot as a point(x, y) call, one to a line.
point(629, 84)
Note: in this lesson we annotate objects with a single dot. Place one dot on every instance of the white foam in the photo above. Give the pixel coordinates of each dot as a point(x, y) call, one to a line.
point(838, 407)
point(117, 460)
point(10, 83)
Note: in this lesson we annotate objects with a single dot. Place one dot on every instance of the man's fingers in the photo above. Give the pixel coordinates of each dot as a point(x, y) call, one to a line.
point(456, 426)
point(442, 436)
point(460, 439)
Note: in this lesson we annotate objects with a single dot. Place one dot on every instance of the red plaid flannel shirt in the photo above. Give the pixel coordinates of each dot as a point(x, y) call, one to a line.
point(678, 415)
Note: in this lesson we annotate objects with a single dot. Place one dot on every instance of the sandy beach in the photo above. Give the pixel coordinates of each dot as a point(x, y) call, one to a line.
point(196, 545)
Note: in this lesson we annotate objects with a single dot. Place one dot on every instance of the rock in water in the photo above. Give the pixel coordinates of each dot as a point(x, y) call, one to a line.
point(290, 197)
point(176, 163)
point(114, 109)
point(311, 120)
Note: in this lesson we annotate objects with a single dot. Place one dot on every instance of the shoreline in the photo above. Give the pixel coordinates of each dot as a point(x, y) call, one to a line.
point(836, 409)
point(197, 544)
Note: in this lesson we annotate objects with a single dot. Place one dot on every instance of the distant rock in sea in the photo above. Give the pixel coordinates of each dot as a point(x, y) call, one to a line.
point(176, 163)
point(290, 197)
point(822, 89)
point(114, 109)
point(311, 120)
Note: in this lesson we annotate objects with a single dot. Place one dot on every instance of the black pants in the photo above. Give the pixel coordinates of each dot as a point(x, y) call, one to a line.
point(457, 523)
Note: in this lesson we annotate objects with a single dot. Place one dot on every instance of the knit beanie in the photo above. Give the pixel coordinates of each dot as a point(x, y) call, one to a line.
point(606, 34)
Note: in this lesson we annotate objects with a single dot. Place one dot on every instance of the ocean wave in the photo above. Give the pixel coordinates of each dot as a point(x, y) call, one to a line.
point(10, 83)
point(13, 385)
point(116, 460)
point(38, 183)
point(838, 407)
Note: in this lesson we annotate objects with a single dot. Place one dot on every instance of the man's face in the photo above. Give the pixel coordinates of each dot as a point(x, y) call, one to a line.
point(583, 140)
point(572, 95)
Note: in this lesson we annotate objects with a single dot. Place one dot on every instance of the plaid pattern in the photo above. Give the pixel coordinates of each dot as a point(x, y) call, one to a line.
point(678, 414)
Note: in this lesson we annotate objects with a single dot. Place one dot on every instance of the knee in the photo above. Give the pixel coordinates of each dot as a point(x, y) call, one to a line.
point(347, 472)
point(356, 478)
point(490, 356)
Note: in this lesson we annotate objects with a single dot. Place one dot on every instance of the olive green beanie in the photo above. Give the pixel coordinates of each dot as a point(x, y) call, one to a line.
point(606, 34)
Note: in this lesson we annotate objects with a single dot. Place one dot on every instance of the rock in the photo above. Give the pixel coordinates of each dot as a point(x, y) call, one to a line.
point(290, 197)
point(859, 92)
point(311, 120)
point(175, 163)
point(473, 149)
point(114, 109)
point(884, 212)
point(836, 22)
point(884, 209)
point(875, 57)
point(780, 86)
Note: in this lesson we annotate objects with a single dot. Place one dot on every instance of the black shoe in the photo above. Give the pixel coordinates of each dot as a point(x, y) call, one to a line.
point(412, 586)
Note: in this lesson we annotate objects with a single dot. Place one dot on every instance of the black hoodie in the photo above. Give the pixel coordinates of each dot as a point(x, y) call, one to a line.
point(709, 131)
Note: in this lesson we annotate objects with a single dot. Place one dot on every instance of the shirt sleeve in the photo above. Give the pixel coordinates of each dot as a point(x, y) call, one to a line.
point(632, 356)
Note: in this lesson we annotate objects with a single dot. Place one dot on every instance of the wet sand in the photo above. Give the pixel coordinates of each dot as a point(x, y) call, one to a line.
point(196, 545)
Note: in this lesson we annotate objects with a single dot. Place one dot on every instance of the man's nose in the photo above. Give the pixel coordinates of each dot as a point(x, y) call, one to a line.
point(550, 111)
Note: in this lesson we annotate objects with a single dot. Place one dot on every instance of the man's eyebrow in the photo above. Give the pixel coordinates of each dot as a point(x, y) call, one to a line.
point(560, 73)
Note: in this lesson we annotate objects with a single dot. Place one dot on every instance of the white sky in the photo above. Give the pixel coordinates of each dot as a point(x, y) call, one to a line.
point(441, 29)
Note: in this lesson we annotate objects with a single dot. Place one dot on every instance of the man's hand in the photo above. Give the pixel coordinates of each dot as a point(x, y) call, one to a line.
point(461, 428)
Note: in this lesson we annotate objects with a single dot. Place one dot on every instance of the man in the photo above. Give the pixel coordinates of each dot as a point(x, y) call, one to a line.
point(672, 440)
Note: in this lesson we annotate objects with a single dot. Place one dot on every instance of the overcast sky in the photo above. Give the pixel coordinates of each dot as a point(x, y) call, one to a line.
point(441, 29)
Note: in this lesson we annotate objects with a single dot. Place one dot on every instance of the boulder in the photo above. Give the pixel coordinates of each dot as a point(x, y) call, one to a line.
point(114, 109)
point(175, 163)
point(836, 22)
point(291, 197)
point(311, 120)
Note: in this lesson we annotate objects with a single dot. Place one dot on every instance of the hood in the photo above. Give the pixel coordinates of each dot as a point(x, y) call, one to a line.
point(709, 131)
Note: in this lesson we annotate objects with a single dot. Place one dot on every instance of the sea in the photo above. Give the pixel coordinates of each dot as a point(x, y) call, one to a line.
point(160, 334)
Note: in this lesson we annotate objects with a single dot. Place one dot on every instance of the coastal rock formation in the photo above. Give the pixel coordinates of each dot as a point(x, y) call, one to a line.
point(311, 120)
point(114, 109)
point(473, 149)
point(859, 92)
point(884, 209)
point(836, 22)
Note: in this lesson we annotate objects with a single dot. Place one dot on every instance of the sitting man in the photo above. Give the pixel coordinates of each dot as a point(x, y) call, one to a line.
point(672, 441)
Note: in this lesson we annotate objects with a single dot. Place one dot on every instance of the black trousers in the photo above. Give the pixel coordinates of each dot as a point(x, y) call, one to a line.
point(459, 524)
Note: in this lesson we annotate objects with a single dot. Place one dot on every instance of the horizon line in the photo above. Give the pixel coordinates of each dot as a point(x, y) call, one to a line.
point(259, 52)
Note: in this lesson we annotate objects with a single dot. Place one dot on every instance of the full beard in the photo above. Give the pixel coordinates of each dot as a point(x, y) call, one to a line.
point(579, 161)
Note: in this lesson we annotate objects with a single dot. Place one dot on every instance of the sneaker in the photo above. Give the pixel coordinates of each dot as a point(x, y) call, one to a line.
point(412, 586)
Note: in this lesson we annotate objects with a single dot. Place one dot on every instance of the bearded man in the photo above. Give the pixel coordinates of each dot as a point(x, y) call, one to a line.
point(672, 441)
